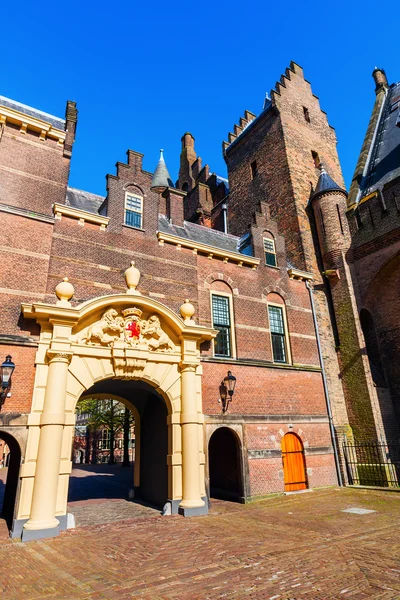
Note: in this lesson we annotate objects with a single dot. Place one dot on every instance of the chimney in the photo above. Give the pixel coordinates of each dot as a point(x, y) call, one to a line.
point(380, 79)
point(188, 157)
point(174, 205)
point(71, 120)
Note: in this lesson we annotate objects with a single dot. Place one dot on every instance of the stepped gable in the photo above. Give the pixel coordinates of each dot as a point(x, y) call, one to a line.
point(83, 200)
point(244, 122)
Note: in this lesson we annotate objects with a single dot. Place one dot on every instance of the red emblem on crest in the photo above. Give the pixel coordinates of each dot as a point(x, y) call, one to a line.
point(132, 329)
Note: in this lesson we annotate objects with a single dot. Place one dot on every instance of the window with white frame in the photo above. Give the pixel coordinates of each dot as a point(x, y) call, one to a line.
point(222, 321)
point(270, 252)
point(278, 333)
point(133, 210)
point(104, 441)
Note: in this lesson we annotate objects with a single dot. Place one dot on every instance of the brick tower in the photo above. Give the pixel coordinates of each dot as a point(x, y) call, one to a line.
point(275, 157)
point(329, 203)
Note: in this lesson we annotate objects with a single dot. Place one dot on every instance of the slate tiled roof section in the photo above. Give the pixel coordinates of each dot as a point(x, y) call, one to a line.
point(83, 200)
point(384, 164)
point(200, 234)
point(325, 184)
point(33, 112)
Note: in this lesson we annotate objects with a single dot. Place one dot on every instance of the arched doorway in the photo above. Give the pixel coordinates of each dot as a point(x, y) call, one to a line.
point(9, 478)
point(224, 460)
point(294, 468)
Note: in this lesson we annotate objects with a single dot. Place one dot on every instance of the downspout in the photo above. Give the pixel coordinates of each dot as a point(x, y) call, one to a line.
point(328, 402)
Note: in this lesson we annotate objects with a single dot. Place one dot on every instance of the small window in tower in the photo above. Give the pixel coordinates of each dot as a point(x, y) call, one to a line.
point(306, 114)
point(270, 252)
point(340, 219)
point(254, 169)
point(315, 158)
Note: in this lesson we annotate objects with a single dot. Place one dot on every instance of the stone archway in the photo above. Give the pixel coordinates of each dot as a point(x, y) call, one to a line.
point(117, 337)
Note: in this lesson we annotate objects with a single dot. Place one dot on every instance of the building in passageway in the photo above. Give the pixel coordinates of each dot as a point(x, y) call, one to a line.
point(233, 274)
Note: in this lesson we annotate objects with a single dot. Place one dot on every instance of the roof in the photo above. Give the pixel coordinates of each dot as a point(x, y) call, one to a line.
point(161, 177)
point(384, 164)
point(83, 200)
point(33, 112)
point(201, 234)
point(325, 184)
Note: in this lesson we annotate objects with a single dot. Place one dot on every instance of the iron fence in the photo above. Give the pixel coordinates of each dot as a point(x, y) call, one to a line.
point(374, 464)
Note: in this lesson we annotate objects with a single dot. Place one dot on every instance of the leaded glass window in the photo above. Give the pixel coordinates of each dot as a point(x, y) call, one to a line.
point(270, 252)
point(133, 211)
point(277, 329)
point(221, 322)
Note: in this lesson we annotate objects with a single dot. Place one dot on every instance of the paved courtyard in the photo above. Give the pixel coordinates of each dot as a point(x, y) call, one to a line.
point(295, 547)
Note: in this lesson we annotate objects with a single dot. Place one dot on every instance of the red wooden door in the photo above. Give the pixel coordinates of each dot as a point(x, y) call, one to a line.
point(294, 470)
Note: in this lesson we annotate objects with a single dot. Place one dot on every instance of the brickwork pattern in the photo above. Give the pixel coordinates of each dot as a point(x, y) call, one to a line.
point(336, 555)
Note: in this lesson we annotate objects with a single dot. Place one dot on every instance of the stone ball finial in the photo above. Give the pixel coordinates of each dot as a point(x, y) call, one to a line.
point(64, 292)
point(132, 277)
point(187, 311)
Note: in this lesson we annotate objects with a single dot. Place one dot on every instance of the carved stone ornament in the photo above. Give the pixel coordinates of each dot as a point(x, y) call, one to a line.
point(128, 329)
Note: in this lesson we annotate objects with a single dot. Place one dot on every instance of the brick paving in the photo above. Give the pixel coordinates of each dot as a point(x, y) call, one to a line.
point(294, 547)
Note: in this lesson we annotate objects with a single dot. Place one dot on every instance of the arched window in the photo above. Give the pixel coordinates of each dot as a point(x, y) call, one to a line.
point(269, 250)
point(133, 210)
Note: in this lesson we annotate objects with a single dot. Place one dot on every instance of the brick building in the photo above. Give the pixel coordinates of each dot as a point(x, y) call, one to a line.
point(263, 256)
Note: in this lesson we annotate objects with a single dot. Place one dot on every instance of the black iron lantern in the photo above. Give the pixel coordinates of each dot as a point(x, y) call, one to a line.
point(226, 390)
point(7, 369)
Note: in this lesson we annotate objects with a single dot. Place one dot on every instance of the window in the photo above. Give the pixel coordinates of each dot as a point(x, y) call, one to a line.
point(270, 252)
point(221, 316)
point(133, 210)
point(278, 335)
point(306, 114)
point(104, 441)
point(254, 169)
point(315, 158)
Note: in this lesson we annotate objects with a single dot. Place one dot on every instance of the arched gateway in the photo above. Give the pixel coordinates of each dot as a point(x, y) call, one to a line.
point(124, 337)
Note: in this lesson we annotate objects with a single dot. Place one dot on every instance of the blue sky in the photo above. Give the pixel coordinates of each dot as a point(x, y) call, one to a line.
point(144, 73)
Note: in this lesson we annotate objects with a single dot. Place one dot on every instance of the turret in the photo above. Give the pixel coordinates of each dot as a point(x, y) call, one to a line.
point(380, 79)
point(161, 178)
point(187, 159)
point(329, 202)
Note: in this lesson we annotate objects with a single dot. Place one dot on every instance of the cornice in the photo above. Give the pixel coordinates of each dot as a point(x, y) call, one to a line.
point(302, 275)
point(211, 251)
point(28, 122)
point(82, 215)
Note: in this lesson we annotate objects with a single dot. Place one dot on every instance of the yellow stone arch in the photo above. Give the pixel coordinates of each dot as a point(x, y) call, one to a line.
point(80, 346)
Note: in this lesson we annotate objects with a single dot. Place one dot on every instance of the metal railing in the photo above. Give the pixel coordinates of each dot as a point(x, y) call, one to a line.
point(375, 464)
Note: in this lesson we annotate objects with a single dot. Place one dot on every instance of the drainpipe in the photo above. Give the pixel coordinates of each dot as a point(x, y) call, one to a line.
point(328, 402)
point(224, 208)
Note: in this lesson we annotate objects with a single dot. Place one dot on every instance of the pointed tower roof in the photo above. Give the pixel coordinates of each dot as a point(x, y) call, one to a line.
point(161, 178)
point(325, 184)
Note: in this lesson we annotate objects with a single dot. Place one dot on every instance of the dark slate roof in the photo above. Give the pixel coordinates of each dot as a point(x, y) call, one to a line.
point(325, 184)
point(83, 200)
point(161, 177)
point(33, 112)
point(385, 155)
point(200, 234)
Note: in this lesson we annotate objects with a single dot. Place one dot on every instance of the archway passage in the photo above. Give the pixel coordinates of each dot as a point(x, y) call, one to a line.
point(294, 468)
point(225, 465)
point(146, 480)
point(9, 477)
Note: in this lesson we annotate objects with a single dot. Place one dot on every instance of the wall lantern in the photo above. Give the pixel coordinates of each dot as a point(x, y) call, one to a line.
point(6, 371)
point(226, 390)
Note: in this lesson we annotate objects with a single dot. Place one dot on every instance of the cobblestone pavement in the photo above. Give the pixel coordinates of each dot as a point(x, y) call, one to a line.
point(294, 547)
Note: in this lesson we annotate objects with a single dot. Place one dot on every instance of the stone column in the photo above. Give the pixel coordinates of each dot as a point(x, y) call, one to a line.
point(192, 502)
point(42, 522)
